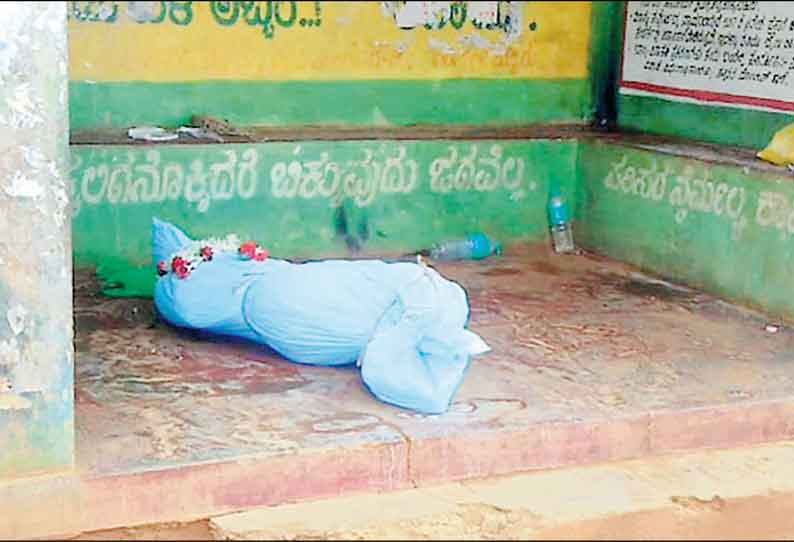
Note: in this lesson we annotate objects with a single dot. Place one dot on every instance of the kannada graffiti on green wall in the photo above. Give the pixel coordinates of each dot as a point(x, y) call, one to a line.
point(689, 189)
point(685, 190)
point(724, 228)
point(309, 199)
point(243, 173)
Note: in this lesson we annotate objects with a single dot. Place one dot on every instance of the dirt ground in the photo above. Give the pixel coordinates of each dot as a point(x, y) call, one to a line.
point(198, 530)
point(752, 518)
point(756, 518)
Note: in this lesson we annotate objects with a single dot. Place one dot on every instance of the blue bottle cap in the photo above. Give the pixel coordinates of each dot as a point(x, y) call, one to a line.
point(558, 211)
point(480, 246)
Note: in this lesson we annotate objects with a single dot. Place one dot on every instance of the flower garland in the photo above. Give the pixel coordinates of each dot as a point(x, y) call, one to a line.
point(184, 262)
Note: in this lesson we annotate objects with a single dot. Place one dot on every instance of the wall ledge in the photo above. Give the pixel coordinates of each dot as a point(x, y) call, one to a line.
point(712, 153)
point(262, 134)
point(707, 152)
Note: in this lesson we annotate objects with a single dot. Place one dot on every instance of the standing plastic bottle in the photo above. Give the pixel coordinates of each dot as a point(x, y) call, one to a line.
point(473, 247)
point(560, 223)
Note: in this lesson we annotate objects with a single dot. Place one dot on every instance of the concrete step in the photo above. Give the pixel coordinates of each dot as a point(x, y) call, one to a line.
point(738, 494)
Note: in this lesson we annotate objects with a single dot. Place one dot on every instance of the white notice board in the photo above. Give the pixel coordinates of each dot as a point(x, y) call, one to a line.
point(737, 54)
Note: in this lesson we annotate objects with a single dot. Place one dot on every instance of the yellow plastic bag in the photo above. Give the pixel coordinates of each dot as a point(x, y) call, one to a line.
point(780, 150)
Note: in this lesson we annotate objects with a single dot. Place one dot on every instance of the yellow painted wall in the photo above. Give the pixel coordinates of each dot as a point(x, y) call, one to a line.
point(354, 40)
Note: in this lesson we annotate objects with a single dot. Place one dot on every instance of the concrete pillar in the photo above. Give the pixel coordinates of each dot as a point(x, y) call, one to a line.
point(36, 331)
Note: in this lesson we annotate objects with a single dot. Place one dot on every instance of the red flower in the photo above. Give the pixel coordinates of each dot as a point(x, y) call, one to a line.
point(261, 255)
point(180, 267)
point(248, 250)
point(162, 269)
point(178, 263)
point(206, 254)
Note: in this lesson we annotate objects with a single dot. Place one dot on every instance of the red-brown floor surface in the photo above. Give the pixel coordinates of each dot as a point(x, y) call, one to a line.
point(591, 361)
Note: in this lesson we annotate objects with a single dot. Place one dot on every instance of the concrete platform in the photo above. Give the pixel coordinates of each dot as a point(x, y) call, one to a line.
point(591, 362)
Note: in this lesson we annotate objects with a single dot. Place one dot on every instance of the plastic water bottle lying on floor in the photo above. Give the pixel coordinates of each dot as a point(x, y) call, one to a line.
point(474, 247)
point(560, 223)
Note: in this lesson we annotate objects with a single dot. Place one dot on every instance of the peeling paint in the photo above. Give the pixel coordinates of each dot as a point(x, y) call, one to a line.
point(442, 46)
point(401, 46)
point(412, 14)
point(35, 249)
point(23, 187)
point(483, 12)
point(10, 401)
point(24, 107)
point(34, 374)
point(483, 15)
point(142, 12)
point(9, 353)
point(17, 317)
point(8, 52)
point(38, 160)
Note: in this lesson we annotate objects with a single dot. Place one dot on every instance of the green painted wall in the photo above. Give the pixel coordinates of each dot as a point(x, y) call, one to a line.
point(723, 125)
point(721, 228)
point(309, 199)
point(675, 233)
point(377, 103)
point(115, 237)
